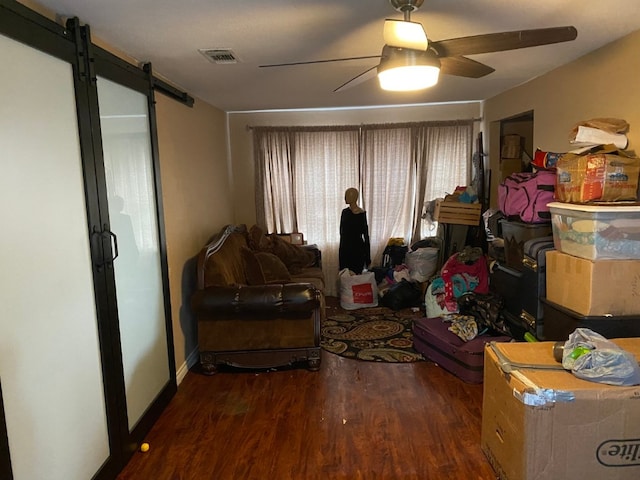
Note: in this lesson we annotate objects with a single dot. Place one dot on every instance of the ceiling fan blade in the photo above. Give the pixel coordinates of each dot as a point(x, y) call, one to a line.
point(319, 61)
point(358, 79)
point(464, 67)
point(404, 34)
point(499, 42)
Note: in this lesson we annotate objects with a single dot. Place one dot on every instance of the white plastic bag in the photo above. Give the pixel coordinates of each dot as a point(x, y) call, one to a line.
point(422, 263)
point(357, 291)
point(435, 305)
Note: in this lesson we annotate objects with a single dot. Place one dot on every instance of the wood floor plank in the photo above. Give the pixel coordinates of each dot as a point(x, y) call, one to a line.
point(351, 420)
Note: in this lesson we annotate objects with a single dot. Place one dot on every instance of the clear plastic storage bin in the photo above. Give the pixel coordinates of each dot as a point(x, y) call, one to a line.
point(515, 234)
point(596, 231)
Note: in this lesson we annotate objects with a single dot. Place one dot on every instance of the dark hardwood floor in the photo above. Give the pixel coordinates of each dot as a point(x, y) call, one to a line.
point(351, 420)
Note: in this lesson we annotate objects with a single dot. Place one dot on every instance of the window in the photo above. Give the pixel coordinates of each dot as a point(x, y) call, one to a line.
point(302, 174)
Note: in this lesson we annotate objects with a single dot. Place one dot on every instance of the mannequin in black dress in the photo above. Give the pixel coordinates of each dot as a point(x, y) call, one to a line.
point(355, 251)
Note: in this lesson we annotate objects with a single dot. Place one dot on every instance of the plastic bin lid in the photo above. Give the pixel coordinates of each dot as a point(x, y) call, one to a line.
point(608, 208)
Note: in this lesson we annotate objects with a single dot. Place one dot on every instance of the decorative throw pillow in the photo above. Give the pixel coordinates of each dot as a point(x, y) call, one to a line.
point(293, 256)
point(273, 269)
point(262, 268)
point(252, 268)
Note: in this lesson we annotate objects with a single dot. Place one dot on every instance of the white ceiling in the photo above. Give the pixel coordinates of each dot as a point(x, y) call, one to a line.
point(168, 33)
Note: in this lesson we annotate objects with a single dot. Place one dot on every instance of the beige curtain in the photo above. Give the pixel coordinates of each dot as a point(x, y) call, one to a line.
point(443, 155)
point(302, 174)
point(388, 188)
point(301, 177)
point(275, 171)
point(327, 164)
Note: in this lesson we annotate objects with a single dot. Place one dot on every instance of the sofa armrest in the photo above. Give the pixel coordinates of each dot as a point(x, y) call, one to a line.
point(274, 299)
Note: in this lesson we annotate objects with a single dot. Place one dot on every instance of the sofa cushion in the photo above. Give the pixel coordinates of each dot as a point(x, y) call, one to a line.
point(258, 241)
point(313, 275)
point(264, 268)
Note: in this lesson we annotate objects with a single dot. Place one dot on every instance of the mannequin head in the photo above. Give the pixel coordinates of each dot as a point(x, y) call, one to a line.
point(351, 196)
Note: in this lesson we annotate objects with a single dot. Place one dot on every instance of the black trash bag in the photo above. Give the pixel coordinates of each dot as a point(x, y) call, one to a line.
point(486, 309)
point(403, 294)
point(381, 273)
point(433, 242)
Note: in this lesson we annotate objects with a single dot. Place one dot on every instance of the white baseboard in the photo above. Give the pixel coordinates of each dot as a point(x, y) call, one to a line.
point(191, 360)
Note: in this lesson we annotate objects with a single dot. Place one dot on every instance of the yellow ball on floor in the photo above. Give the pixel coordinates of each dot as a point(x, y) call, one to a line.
point(144, 447)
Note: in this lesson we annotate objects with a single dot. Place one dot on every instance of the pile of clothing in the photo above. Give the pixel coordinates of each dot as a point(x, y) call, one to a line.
point(465, 271)
point(461, 296)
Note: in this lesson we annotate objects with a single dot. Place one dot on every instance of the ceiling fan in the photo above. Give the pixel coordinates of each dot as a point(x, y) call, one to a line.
point(410, 61)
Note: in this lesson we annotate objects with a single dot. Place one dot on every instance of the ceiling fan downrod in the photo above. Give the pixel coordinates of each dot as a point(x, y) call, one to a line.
point(406, 7)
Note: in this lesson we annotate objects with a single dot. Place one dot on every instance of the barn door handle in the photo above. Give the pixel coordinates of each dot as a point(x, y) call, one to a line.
point(114, 243)
point(95, 233)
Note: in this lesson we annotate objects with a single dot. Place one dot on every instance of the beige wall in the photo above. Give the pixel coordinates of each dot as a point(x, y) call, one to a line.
point(603, 83)
point(241, 146)
point(196, 199)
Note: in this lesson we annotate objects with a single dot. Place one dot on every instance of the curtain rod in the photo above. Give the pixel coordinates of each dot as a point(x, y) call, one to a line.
point(354, 126)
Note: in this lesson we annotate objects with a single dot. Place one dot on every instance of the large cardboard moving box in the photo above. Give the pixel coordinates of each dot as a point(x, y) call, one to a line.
point(597, 177)
point(603, 287)
point(530, 434)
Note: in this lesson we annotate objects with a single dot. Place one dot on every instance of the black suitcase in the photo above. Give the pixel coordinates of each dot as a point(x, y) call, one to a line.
point(534, 282)
point(518, 326)
point(507, 282)
point(560, 322)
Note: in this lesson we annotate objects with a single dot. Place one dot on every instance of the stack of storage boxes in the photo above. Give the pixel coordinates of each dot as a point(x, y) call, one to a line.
point(539, 421)
point(593, 276)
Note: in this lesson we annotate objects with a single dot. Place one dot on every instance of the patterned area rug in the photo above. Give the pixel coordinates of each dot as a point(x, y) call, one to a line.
point(376, 334)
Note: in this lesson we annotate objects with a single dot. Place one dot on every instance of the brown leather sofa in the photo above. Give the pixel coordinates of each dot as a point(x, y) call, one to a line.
point(259, 301)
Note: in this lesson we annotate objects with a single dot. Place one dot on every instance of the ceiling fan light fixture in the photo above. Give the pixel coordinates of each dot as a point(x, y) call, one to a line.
point(401, 33)
point(404, 70)
point(410, 78)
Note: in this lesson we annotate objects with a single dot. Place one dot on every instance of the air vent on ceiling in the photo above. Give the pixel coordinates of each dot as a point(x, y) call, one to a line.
point(219, 55)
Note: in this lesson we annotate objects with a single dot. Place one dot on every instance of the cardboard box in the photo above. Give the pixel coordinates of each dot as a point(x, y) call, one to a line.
point(603, 287)
point(458, 213)
point(604, 176)
point(511, 146)
point(526, 435)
